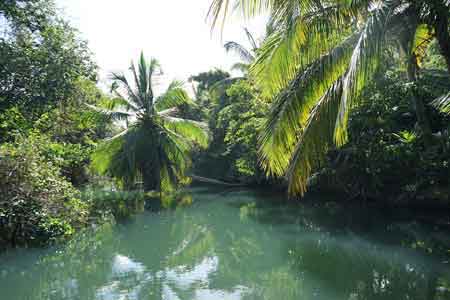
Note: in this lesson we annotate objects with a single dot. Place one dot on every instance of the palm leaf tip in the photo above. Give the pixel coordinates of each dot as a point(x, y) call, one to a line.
point(174, 96)
point(240, 50)
point(442, 103)
point(316, 139)
point(116, 115)
point(292, 107)
point(189, 130)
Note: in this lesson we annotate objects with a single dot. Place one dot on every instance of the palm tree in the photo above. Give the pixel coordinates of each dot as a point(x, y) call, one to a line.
point(316, 61)
point(155, 144)
point(247, 56)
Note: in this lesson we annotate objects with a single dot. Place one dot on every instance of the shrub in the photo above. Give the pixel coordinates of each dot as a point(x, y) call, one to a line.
point(38, 205)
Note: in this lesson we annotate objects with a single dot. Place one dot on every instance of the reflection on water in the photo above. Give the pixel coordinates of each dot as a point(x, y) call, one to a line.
point(126, 282)
point(239, 246)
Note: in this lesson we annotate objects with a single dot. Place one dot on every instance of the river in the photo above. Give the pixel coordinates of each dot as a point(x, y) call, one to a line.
point(239, 244)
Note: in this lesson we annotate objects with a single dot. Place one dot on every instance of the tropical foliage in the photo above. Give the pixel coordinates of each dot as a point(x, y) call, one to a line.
point(347, 95)
point(235, 114)
point(37, 204)
point(46, 73)
point(385, 160)
point(443, 103)
point(316, 61)
point(40, 67)
point(204, 85)
point(155, 143)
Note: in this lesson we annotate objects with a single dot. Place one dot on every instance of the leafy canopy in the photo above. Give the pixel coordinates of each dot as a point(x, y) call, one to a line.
point(316, 60)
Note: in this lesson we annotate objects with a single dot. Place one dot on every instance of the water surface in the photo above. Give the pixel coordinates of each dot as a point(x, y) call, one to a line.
point(239, 244)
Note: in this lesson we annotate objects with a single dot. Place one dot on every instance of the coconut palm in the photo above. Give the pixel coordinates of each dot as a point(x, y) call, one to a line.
point(316, 61)
point(155, 144)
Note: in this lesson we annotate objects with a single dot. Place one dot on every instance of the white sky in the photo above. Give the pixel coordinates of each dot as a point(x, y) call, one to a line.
point(173, 31)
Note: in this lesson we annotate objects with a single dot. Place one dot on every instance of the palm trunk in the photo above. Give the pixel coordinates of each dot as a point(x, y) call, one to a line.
point(406, 51)
point(422, 118)
point(150, 180)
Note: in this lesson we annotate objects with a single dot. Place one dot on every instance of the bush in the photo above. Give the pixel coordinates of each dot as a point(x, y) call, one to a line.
point(236, 118)
point(119, 204)
point(38, 204)
point(386, 157)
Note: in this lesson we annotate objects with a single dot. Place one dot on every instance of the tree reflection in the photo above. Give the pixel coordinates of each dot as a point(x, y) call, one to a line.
point(234, 246)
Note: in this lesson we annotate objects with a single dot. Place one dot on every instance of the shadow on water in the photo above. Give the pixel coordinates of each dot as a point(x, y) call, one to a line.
point(213, 243)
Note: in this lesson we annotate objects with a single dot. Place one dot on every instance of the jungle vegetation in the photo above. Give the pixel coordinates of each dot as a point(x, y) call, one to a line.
point(317, 59)
point(341, 95)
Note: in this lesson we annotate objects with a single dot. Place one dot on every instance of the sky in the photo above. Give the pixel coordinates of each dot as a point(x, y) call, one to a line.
point(175, 32)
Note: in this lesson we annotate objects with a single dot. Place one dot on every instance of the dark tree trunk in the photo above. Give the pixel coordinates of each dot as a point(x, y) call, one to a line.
point(406, 51)
point(422, 118)
point(432, 285)
point(150, 179)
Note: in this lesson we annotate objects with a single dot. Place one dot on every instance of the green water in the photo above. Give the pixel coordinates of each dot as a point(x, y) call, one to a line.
point(239, 245)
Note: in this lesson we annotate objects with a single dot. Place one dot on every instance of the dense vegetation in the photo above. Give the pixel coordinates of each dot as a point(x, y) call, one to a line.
point(386, 159)
point(46, 73)
point(235, 113)
point(339, 95)
point(317, 58)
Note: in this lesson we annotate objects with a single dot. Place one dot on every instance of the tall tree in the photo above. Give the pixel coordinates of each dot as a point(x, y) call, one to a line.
point(317, 60)
point(155, 144)
point(42, 59)
point(32, 14)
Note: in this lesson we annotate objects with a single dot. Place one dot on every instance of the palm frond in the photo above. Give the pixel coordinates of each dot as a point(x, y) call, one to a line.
point(291, 108)
point(190, 130)
point(175, 95)
point(137, 81)
point(170, 112)
point(118, 135)
point(240, 50)
point(251, 39)
point(143, 78)
point(422, 39)
point(117, 157)
point(297, 42)
point(280, 10)
point(102, 157)
point(290, 140)
point(443, 103)
point(316, 139)
point(175, 159)
point(364, 62)
point(154, 70)
point(242, 67)
point(115, 115)
point(120, 102)
point(132, 96)
point(219, 9)
point(143, 82)
point(218, 13)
